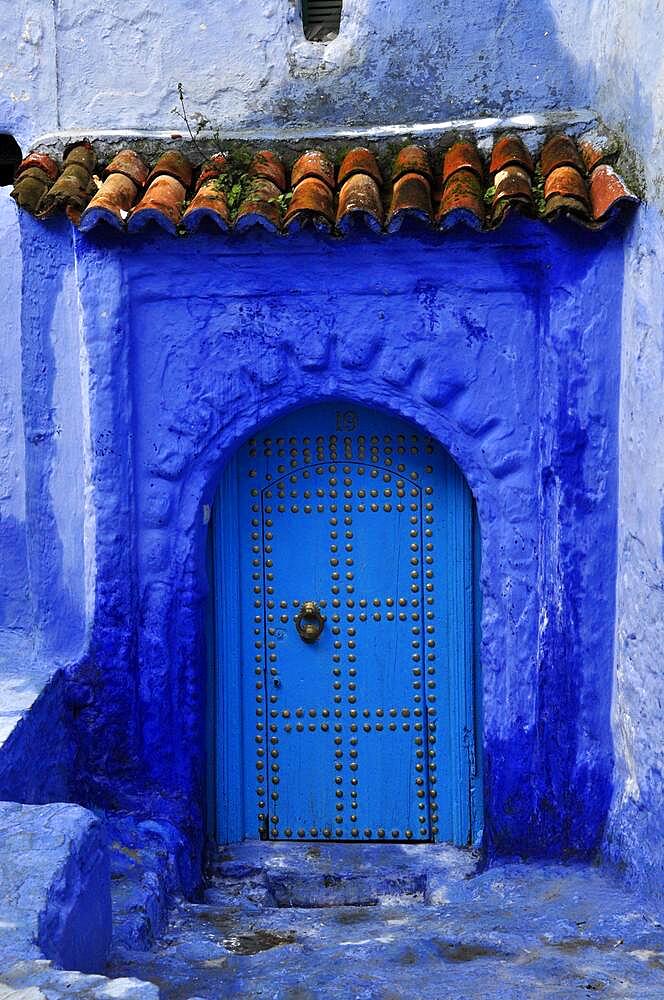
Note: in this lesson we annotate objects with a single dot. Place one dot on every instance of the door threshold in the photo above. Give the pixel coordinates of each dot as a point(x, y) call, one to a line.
point(316, 874)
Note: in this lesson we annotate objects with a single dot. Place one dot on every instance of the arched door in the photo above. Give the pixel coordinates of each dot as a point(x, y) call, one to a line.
point(344, 611)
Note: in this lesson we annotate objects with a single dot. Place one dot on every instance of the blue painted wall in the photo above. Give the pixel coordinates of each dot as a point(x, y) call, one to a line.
point(506, 348)
point(501, 59)
point(618, 55)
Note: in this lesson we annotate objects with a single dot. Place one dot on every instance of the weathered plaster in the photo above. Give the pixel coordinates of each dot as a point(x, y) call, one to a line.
point(618, 50)
point(28, 69)
point(55, 447)
point(250, 64)
point(508, 932)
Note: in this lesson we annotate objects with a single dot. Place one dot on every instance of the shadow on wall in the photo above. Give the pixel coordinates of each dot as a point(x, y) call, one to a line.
point(397, 61)
point(462, 61)
point(616, 57)
point(15, 605)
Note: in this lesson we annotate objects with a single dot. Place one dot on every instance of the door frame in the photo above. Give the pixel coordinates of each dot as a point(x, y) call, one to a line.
point(225, 806)
point(224, 716)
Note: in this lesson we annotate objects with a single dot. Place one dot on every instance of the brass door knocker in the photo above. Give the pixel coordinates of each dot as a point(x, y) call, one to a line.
point(309, 622)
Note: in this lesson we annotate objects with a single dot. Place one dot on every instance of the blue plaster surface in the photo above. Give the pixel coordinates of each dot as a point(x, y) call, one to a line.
point(617, 54)
point(104, 463)
point(14, 592)
point(509, 356)
point(467, 63)
point(37, 762)
point(149, 863)
point(55, 899)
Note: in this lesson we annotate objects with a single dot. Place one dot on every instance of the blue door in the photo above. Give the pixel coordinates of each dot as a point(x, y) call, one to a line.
point(344, 582)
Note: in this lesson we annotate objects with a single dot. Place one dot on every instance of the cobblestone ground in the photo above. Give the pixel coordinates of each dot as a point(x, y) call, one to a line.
point(426, 923)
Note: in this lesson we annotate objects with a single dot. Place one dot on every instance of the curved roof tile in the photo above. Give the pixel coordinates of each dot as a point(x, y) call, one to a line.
point(209, 204)
point(462, 201)
point(411, 160)
point(161, 204)
point(111, 204)
point(462, 156)
point(509, 151)
point(34, 176)
point(268, 166)
point(313, 163)
point(360, 161)
point(261, 207)
point(312, 204)
point(572, 178)
point(607, 193)
point(560, 151)
point(359, 201)
point(75, 185)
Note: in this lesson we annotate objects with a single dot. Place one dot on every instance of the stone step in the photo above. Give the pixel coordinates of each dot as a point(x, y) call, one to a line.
point(327, 875)
point(221, 896)
point(290, 888)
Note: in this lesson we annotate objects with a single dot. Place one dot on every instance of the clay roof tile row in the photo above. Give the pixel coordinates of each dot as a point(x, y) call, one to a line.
point(568, 178)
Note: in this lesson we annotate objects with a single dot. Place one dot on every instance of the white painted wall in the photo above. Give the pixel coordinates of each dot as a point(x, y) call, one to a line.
point(105, 63)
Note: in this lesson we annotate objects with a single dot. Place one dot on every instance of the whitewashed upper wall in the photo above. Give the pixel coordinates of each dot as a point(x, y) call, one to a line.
point(110, 64)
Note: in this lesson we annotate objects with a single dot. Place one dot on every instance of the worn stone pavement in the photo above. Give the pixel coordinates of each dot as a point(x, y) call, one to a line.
point(426, 922)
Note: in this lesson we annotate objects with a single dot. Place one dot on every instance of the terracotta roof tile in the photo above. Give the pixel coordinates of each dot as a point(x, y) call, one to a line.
point(211, 169)
point(462, 201)
point(567, 182)
point(462, 156)
point(161, 204)
point(125, 176)
point(359, 201)
point(261, 206)
point(508, 151)
point(607, 193)
point(312, 204)
point(359, 161)
point(411, 160)
point(313, 164)
point(560, 151)
point(42, 161)
point(173, 164)
point(209, 204)
point(34, 177)
point(573, 179)
point(267, 166)
point(130, 164)
point(111, 204)
point(411, 199)
point(595, 149)
point(75, 185)
point(513, 192)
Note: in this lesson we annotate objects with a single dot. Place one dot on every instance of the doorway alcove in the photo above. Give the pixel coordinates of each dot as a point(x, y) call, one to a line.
point(343, 634)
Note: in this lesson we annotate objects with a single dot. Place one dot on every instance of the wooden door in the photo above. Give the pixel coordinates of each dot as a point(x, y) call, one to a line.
point(345, 589)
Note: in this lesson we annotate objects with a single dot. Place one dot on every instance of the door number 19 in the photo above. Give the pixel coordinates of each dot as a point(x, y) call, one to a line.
point(346, 420)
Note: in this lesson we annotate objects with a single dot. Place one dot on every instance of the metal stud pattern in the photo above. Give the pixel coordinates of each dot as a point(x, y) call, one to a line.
point(344, 729)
